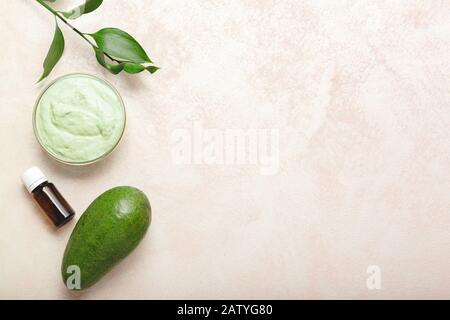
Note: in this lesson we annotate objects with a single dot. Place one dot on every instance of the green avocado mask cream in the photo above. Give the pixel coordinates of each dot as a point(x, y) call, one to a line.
point(79, 119)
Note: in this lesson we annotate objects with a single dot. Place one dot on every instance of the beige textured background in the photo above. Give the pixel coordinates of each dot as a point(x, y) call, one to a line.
point(360, 91)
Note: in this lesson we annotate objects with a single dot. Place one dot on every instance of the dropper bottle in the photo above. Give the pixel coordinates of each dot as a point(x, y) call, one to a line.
point(47, 196)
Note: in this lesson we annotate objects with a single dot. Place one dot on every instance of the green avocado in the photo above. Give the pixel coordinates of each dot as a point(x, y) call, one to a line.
point(108, 231)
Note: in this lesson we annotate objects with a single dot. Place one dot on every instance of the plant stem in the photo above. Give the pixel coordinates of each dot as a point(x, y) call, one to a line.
point(81, 34)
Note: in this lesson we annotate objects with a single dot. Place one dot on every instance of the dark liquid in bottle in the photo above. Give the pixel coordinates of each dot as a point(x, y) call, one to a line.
point(53, 203)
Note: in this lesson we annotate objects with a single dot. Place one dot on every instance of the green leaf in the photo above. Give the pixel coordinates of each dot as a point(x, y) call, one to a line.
point(87, 7)
point(54, 53)
point(133, 68)
point(116, 68)
point(120, 44)
point(152, 69)
point(113, 68)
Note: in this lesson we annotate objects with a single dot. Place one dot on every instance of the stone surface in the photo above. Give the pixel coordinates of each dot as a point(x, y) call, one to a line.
point(359, 94)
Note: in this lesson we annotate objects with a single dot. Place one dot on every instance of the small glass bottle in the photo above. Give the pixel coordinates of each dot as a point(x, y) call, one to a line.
point(47, 196)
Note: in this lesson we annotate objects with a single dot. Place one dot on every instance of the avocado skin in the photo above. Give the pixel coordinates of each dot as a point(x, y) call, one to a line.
point(108, 231)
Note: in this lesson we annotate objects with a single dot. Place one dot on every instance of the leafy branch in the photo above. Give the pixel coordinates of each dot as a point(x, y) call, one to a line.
point(115, 50)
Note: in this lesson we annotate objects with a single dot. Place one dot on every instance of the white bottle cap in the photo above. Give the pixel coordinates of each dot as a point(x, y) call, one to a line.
point(32, 178)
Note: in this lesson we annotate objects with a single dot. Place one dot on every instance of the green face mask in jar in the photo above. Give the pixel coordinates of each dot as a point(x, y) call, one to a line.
point(79, 119)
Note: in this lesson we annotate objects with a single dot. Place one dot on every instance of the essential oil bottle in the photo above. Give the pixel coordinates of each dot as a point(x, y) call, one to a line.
point(47, 196)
